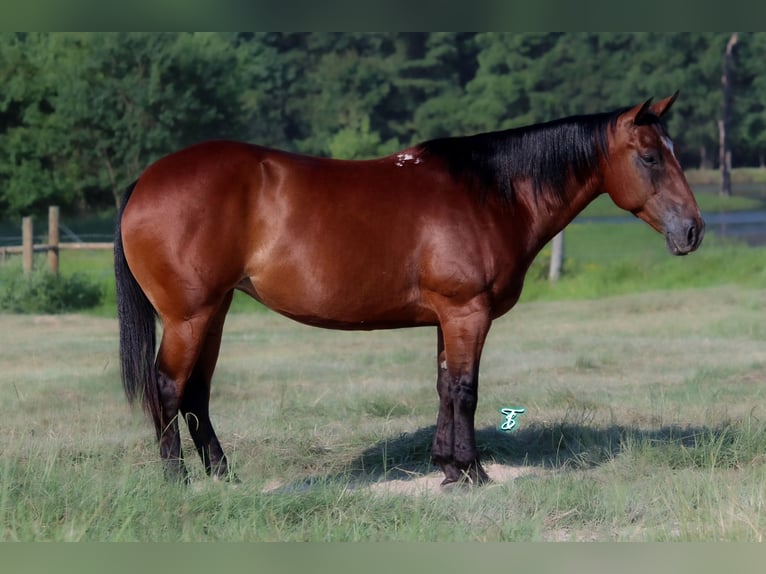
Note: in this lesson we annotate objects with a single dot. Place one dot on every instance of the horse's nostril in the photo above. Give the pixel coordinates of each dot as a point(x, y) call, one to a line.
point(691, 235)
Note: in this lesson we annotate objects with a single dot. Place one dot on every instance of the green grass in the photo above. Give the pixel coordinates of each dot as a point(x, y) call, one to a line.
point(603, 259)
point(645, 421)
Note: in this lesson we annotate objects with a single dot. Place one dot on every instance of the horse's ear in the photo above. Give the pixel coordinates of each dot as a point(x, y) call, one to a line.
point(662, 107)
point(638, 113)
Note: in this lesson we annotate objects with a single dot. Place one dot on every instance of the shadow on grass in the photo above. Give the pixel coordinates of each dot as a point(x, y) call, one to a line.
point(572, 446)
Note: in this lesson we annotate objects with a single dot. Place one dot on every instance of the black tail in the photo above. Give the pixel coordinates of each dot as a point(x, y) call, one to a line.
point(138, 336)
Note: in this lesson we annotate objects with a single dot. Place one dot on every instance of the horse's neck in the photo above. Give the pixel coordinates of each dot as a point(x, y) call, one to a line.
point(552, 215)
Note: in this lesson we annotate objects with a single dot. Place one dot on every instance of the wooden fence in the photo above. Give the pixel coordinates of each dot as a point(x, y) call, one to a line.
point(27, 249)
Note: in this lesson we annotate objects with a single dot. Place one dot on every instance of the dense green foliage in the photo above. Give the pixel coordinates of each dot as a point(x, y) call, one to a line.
point(43, 292)
point(82, 113)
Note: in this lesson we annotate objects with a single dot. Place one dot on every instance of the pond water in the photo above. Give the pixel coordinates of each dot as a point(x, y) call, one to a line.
point(747, 226)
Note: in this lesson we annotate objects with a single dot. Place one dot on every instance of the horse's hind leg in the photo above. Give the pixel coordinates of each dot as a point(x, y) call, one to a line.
point(182, 345)
point(170, 439)
point(196, 398)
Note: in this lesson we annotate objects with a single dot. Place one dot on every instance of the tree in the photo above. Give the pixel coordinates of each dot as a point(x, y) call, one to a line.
point(347, 89)
point(432, 82)
point(97, 108)
point(28, 140)
point(274, 67)
point(126, 99)
point(748, 138)
point(724, 122)
point(498, 97)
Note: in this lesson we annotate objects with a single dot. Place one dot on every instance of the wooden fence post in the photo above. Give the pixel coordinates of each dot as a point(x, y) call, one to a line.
point(557, 257)
point(27, 241)
point(53, 239)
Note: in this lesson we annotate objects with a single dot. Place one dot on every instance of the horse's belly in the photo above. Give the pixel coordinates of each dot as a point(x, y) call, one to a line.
point(340, 303)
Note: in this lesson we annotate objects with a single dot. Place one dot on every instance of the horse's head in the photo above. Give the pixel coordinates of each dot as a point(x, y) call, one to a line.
point(642, 175)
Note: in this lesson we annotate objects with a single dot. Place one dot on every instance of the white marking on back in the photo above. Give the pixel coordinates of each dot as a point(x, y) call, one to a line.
point(405, 157)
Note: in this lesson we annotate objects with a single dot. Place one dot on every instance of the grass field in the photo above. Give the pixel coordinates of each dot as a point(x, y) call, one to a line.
point(645, 422)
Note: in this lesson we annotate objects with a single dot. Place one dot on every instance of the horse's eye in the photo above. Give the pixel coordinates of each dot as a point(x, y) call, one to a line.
point(649, 158)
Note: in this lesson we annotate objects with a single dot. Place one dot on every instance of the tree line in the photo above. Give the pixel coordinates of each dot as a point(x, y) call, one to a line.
point(81, 114)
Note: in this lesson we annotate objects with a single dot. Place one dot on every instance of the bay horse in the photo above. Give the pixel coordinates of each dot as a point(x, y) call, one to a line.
point(440, 234)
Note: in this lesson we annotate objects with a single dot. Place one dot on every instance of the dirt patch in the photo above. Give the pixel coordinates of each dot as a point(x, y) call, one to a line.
point(418, 485)
point(431, 483)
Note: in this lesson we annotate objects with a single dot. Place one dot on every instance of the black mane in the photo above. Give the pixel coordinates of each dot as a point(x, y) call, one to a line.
point(542, 153)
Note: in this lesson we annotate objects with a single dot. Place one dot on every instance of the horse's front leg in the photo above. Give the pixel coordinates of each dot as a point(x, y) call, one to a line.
point(442, 450)
point(461, 340)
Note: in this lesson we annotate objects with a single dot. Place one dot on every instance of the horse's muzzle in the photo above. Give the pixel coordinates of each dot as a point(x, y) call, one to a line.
point(684, 237)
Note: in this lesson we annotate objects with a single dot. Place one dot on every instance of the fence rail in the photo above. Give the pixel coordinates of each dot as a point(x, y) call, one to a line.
point(42, 247)
point(28, 248)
